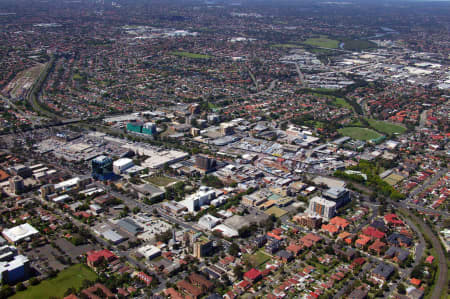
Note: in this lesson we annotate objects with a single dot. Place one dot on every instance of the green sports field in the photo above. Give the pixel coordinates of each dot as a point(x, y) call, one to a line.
point(385, 127)
point(71, 277)
point(323, 42)
point(359, 133)
point(190, 55)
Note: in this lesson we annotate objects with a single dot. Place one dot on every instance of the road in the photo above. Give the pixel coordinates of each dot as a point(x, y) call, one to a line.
point(441, 284)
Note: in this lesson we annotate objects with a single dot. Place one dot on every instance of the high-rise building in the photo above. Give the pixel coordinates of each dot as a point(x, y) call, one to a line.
point(16, 184)
point(149, 128)
point(319, 206)
point(226, 128)
point(135, 127)
point(202, 247)
point(204, 163)
point(340, 196)
point(102, 168)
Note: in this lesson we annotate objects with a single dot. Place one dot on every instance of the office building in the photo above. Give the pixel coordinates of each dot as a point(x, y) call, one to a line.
point(149, 128)
point(149, 251)
point(135, 127)
point(15, 270)
point(340, 196)
point(16, 184)
point(202, 247)
point(121, 165)
point(205, 163)
point(18, 233)
point(102, 168)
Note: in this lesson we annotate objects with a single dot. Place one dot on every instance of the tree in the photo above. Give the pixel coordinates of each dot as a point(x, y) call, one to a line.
point(238, 271)
point(20, 287)
point(401, 289)
point(234, 249)
point(34, 281)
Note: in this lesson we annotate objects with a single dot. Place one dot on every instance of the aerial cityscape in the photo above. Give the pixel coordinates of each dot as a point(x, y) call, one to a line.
point(213, 149)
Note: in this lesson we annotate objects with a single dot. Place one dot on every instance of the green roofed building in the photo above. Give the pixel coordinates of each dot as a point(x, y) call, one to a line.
point(135, 127)
point(141, 128)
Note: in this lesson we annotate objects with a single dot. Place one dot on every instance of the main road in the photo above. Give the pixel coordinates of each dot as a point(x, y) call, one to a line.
point(441, 284)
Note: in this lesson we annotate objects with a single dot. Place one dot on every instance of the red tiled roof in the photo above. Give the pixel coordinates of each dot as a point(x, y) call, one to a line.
point(94, 256)
point(373, 232)
point(252, 274)
point(145, 278)
point(429, 259)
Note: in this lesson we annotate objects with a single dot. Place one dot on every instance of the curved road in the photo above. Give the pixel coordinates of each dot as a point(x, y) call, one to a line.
point(441, 283)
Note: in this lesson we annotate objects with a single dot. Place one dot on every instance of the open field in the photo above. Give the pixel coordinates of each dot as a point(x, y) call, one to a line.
point(322, 41)
point(359, 133)
point(358, 45)
point(24, 81)
point(393, 179)
point(190, 55)
point(71, 277)
point(276, 211)
point(161, 181)
point(385, 127)
point(341, 102)
point(258, 259)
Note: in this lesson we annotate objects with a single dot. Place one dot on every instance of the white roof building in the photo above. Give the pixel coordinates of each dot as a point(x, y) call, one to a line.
point(149, 251)
point(61, 199)
point(208, 221)
point(227, 231)
point(122, 164)
point(19, 232)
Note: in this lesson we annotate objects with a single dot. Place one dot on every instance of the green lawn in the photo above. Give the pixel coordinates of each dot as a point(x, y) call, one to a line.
point(190, 55)
point(359, 133)
point(385, 127)
point(258, 259)
point(343, 103)
point(71, 277)
point(161, 181)
point(358, 45)
point(323, 42)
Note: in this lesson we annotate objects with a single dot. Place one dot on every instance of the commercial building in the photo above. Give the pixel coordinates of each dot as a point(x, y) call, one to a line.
point(102, 168)
point(16, 184)
point(14, 270)
point(141, 128)
point(135, 127)
point(18, 233)
point(149, 128)
point(227, 128)
point(149, 251)
point(21, 170)
point(130, 226)
point(340, 196)
point(157, 157)
point(121, 165)
point(76, 182)
point(113, 236)
point(200, 245)
point(204, 163)
point(208, 222)
point(319, 206)
point(202, 197)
